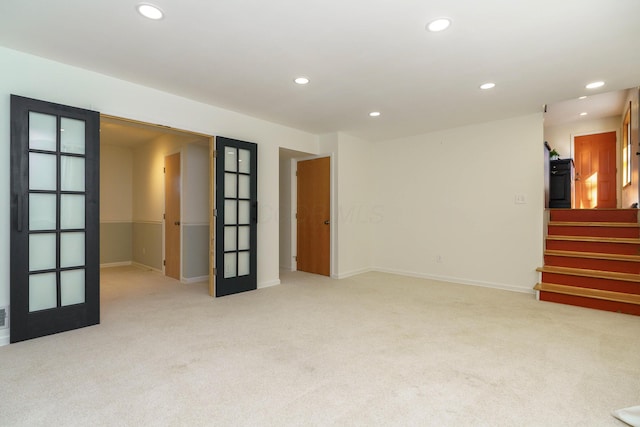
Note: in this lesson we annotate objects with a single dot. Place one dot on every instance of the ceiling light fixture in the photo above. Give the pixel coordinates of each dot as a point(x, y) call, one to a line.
point(583, 97)
point(439, 24)
point(594, 85)
point(486, 86)
point(374, 114)
point(301, 80)
point(150, 11)
point(584, 114)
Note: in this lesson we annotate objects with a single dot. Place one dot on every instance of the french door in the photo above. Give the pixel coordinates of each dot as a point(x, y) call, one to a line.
point(55, 277)
point(237, 216)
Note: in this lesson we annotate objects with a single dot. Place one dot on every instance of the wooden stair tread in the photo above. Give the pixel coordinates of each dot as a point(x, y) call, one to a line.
point(593, 255)
point(583, 272)
point(593, 224)
point(588, 293)
point(629, 240)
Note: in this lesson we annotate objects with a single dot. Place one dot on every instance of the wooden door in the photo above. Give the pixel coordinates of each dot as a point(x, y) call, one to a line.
point(595, 173)
point(172, 215)
point(313, 216)
point(55, 246)
point(237, 216)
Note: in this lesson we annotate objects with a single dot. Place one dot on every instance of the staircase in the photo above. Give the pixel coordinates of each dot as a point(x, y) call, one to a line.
point(592, 259)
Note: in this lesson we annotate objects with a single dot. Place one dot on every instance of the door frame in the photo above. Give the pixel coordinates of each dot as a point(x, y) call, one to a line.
point(572, 154)
point(333, 246)
point(164, 215)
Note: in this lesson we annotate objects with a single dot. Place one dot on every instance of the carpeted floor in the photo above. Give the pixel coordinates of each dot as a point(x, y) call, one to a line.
point(375, 349)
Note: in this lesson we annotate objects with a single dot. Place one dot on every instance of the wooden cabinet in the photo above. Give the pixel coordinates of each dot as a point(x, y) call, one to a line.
point(561, 183)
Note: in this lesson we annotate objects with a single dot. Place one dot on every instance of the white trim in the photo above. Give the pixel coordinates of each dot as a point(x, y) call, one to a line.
point(147, 222)
point(198, 279)
point(354, 273)
point(456, 280)
point(194, 224)
point(115, 264)
point(4, 339)
point(269, 283)
point(117, 221)
point(146, 267)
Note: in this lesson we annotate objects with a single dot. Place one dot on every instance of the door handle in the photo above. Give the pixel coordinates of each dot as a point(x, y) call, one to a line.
point(327, 222)
point(176, 223)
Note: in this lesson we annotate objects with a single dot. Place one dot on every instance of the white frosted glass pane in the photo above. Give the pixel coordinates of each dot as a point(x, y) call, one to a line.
point(243, 264)
point(42, 131)
point(244, 212)
point(244, 161)
point(71, 136)
point(230, 214)
point(71, 173)
point(43, 292)
point(71, 211)
point(230, 186)
point(72, 287)
point(71, 249)
point(42, 211)
point(243, 186)
point(230, 238)
point(42, 251)
point(42, 171)
point(243, 238)
point(230, 159)
point(230, 265)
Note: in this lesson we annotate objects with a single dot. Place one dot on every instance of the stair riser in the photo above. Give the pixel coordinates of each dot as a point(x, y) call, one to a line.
point(592, 283)
point(597, 247)
point(593, 264)
point(562, 230)
point(618, 307)
point(594, 215)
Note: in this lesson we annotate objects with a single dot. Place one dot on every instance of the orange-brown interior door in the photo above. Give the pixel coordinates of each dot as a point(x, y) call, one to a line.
point(595, 162)
point(313, 214)
point(172, 215)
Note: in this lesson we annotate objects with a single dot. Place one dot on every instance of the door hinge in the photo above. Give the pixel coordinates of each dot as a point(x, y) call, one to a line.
point(295, 258)
point(214, 271)
point(215, 212)
point(296, 215)
point(164, 170)
point(215, 154)
point(164, 216)
point(164, 262)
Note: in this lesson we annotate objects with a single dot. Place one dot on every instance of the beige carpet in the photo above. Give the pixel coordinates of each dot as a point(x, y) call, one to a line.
point(375, 349)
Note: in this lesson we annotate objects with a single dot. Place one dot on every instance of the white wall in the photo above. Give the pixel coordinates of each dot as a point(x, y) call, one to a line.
point(447, 204)
point(35, 77)
point(116, 166)
point(195, 184)
point(285, 211)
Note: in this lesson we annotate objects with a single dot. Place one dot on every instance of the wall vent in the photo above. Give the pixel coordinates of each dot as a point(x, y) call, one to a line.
point(3, 317)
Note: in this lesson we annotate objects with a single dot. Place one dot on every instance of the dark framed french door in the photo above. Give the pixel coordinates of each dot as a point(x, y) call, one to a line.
point(55, 176)
point(237, 216)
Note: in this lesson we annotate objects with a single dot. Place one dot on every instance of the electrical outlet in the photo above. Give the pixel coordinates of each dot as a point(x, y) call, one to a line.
point(520, 199)
point(439, 259)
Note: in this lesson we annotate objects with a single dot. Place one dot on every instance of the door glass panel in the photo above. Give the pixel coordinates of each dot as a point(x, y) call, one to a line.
point(230, 238)
point(42, 171)
point(244, 212)
point(43, 292)
point(243, 264)
point(230, 159)
point(230, 186)
point(230, 265)
point(244, 160)
point(42, 131)
point(71, 173)
point(71, 249)
point(243, 238)
point(72, 287)
point(230, 214)
point(42, 211)
point(71, 136)
point(42, 251)
point(71, 211)
point(243, 186)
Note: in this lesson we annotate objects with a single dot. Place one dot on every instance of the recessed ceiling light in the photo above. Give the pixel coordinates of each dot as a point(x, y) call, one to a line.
point(374, 113)
point(439, 24)
point(301, 80)
point(594, 85)
point(583, 97)
point(150, 11)
point(487, 86)
point(584, 114)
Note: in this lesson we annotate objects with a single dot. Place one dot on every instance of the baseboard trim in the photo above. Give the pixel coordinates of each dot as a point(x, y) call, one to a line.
point(457, 280)
point(115, 264)
point(198, 279)
point(353, 273)
point(146, 267)
point(4, 338)
point(268, 283)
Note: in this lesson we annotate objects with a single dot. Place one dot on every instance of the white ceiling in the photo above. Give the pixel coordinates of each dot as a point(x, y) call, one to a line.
point(361, 55)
